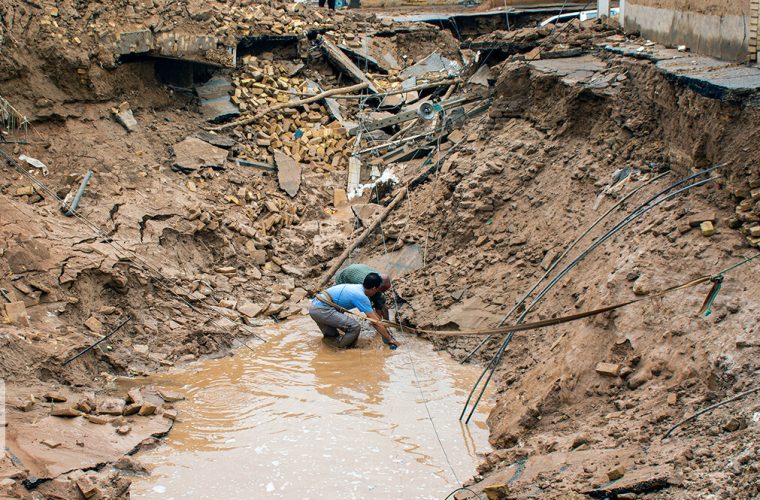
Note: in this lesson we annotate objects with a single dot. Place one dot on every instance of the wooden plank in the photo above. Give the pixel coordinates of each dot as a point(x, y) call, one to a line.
point(343, 62)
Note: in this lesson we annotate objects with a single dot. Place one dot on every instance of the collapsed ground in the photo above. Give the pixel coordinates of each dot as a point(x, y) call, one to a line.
point(508, 190)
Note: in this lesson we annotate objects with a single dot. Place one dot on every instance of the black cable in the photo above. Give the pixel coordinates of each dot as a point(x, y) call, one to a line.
point(645, 207)
point(463, 488)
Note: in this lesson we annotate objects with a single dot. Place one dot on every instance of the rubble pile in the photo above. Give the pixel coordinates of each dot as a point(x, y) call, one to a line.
point(550, 41)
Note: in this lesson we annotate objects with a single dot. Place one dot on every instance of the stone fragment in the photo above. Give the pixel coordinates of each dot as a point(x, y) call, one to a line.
point(192, 154)
point(298, 295)
point(250, 309)
point(288, 173)
point(15, 314)
point(367, 213)
point(65, 412)
point(51, 443)
point(97, 419)
point(170, 414)
point(548, 259)
point(140, 348)
point(259, 257)
point(87, 487)
point(697, 219)
point(707, 228)
point(754, 231)
point(94, 325)
point(25, 191)
point(616, 473)
point(497, 491)
point(125, 117)
point(131, 409)
point(85, 406)
point(147, 409)
point(111, 406)
point(340, 198)
point(608, 369)
point(123, 430)
point(456, 136)
point(293, 270)
point(734, 424)
point(54, 397)
point(672, 398)
point(26, 405)
point(134, 395)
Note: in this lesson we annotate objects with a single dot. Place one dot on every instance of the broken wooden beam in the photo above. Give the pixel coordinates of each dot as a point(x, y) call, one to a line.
point(345, 64)
point(358, 241)
point(293, 104)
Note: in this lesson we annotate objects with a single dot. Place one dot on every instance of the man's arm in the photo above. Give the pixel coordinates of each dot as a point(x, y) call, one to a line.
point(381, 329)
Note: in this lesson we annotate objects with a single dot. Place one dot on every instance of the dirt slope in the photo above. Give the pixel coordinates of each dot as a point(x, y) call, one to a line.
point(503, 209)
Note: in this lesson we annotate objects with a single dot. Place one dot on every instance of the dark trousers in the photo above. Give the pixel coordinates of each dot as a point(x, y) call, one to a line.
point(329, 321)
point(330, 4)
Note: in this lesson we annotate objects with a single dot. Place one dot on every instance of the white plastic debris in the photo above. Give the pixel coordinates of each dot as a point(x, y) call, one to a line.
point(387, 177)
point(35, 163)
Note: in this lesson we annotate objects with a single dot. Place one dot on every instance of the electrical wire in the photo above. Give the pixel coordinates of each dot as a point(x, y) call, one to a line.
point(648, 205)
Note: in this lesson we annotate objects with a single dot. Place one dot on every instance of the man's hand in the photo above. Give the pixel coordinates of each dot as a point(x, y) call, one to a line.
point(382, 330)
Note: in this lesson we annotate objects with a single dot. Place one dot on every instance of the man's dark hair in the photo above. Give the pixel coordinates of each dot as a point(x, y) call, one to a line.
point(373, 280)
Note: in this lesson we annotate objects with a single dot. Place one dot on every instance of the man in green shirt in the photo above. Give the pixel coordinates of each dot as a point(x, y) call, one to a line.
point(355, 274)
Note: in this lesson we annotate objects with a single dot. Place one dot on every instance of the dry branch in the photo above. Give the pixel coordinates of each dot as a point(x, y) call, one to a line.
point(293, 104)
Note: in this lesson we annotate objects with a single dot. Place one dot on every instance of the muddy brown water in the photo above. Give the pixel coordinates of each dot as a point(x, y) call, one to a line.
point(296, 418)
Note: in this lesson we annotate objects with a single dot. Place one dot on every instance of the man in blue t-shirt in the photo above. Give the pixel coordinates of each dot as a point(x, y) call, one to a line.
point(330, 319)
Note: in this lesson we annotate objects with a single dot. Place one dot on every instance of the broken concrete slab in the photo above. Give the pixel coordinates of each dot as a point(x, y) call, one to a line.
point(134, 42)
point(342, 61)
point(367, 213)
point(216, 105)
point(332, 105)
point(100, 443)
point(709, 77)
point(482, 76)
point(573, 69)
point(206, 49)
point(354, 176)
point(217, 140)
point(192, 154)
point(400, 262)
point(124, 116)
point(363, 58)
point(288, 173)
point(434, 63)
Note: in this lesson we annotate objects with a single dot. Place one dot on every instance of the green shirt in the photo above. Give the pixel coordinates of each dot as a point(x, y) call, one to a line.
point(353, 274)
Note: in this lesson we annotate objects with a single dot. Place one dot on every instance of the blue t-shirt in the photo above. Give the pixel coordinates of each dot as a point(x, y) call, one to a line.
point(348, 297)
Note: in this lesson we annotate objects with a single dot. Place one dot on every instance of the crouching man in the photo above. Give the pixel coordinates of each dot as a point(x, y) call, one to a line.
point(355, 274)
point(333, 320)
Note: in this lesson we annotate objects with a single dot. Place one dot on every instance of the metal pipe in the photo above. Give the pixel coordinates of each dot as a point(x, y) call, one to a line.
point(93, 346)
point(394, 143)
point(75, 202)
